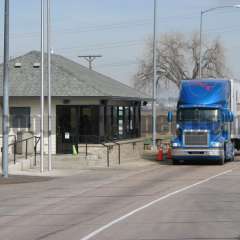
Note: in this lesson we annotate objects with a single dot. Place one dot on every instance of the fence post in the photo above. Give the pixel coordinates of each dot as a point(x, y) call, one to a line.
point(2, 154)
point(26, 153)
point(108, 165)
point(86, 149)
point(35, 150)
point(14, 152)
point(119, 154)
point(35, 156)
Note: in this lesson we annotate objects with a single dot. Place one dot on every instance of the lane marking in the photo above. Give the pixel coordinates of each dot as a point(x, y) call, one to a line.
point(110, 224)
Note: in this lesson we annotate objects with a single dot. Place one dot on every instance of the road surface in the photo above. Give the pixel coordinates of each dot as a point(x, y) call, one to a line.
point(147, 203)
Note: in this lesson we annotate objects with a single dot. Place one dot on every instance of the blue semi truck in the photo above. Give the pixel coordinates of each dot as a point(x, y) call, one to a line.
point(207, 121)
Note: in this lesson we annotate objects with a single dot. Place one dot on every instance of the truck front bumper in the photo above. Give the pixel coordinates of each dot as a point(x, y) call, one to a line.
point(204, 153)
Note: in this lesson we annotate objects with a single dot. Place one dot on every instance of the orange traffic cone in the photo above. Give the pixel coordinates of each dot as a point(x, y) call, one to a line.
point(169, 152)
point(160, 154)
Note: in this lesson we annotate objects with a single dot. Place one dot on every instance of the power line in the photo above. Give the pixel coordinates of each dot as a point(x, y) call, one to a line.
point(117, 25)
point(104, 45)
point(112, 45)
point(119, 64)
point(104, 27)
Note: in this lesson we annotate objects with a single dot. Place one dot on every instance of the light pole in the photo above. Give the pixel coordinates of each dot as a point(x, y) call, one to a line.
point(201, 23)
point(5, 115)
point(154, 78)
point(42, 88)
point(49, 85)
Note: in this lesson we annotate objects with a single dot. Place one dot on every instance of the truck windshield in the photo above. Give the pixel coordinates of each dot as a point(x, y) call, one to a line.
point(196, 114)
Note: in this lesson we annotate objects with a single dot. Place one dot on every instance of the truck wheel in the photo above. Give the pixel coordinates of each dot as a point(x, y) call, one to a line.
point(175, 162)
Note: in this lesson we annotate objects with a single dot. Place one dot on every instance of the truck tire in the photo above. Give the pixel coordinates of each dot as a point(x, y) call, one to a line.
point(175, 162)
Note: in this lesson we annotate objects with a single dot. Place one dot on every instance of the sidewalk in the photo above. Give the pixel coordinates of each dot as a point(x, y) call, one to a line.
point(67, 165)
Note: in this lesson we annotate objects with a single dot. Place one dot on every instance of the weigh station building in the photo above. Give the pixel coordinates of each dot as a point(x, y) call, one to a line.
point(87, 107)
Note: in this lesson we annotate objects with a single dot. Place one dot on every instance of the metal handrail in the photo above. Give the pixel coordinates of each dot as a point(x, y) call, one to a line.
point(110, 141)
point(37, 140)
point(104, 145)
point(12, 135)
point(119, 149)
point(14, 144)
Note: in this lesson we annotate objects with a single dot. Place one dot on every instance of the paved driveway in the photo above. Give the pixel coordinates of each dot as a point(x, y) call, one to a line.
point(147, 202)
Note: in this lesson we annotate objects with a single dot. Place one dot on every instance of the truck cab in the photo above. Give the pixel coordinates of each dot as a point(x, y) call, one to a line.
point(204, 121)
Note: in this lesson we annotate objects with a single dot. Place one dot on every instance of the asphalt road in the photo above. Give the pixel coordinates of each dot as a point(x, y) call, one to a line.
point(147, 203)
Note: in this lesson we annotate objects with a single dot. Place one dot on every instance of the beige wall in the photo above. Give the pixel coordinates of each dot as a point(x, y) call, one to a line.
point(34, 104)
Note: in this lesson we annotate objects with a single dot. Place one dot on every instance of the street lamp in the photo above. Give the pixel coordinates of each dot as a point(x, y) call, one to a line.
point(49, 85)
point(5, 115)
point(42, 87)
point(201, 21)
point(154, 78)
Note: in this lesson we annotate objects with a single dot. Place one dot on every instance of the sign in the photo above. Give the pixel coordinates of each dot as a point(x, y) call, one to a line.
point(67, 135)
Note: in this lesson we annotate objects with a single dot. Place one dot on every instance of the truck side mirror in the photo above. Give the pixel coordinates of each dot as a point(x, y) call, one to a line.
point(228, 117)
point(231, 117)
point(170, 117)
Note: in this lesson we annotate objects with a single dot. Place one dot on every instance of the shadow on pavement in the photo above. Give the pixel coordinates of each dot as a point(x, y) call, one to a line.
point(16, 179)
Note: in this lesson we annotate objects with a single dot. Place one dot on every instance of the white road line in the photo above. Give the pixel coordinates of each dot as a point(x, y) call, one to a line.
point(101, 229)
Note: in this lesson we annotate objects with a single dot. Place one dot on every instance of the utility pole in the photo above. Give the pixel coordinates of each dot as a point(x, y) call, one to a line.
point(5, 116)
point(49, 86)
point(42, 88)
point(154, 78)
point(90, 59)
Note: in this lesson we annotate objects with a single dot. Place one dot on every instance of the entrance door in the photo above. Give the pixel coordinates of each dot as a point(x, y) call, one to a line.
point(67, 128)
point(89, 124)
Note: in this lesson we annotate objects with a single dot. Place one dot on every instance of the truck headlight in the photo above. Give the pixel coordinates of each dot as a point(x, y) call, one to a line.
point(176, 144)
point(217, 144)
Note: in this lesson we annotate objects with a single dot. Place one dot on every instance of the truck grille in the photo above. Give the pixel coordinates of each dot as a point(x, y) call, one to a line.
point(196, 138)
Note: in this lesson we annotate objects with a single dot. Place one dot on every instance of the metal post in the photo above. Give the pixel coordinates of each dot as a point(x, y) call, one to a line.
point(35, 151)
point(5, 116)
point(14, 152)
point(26, 153)
point(119, 154)
point(154, 78)
point(49, 86)
point(200, 46)
point(42, 86)
point(108, 163)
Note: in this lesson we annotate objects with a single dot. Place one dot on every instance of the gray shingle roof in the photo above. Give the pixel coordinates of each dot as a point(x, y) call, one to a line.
point(68, 79)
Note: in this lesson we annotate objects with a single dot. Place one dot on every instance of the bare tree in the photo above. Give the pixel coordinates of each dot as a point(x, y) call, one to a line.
point(178, 59)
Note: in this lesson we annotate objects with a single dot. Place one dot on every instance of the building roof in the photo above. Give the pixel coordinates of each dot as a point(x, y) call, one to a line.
point(68, 79)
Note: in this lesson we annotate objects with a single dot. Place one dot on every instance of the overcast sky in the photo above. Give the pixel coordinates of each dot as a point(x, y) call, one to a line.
point(118, 29)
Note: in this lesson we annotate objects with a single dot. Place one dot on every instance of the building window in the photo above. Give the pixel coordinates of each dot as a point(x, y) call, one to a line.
point(115, 122)
point(20, 117)
point(131, 118)
point(120, 121)
point(125, 122)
